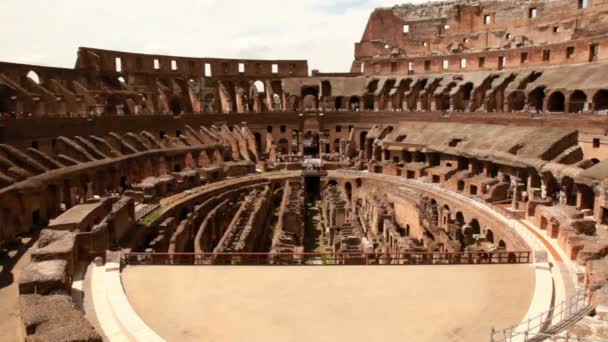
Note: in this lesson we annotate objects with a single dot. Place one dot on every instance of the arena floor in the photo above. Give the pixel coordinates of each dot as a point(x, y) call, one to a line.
point(303, 304)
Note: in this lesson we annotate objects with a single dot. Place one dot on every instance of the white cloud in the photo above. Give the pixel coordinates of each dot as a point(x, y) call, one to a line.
point(322, 31)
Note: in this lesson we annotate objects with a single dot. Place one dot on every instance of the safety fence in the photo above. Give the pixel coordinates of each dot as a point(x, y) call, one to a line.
point(409, 258)
point(547, 323)
point(147, 209)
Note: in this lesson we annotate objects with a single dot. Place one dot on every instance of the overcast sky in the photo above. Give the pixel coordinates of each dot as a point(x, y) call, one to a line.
point(48, 32)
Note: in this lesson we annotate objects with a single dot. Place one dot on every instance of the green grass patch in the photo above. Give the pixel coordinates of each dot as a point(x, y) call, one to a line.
point(148, 219)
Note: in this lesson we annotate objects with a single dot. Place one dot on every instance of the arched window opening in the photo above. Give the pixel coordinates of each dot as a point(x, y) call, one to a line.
point(258, 142)
point(578, 102)
point(259, 86)
point(369, 102)
point(517, 101)
point(209, 103)
point(362, 139)
point(338, 103)
point(276, 102)
point(355, 103)
point(32, 75)
point(557, 102)
point(600, 100)
point(490, 236)
point(536, 98)
point(175, 105)
point(349, 190)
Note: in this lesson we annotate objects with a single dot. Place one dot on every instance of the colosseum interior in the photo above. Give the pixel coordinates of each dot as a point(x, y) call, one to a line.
point(453, 186)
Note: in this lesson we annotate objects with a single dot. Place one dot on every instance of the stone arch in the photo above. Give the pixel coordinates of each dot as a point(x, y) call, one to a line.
point(556, 102)
point(8, 97)
point(258, 141)
point(338, 103)
point(517, 101)
point(368, 102)
point(354, 103)
point(348, 189)
point(578, 102)
point(209, 103)
point(459, 218)
point(362, 139)
point(293, 103)
point(115, 105)
point(32, 75)
point(276, 102)
point(536, 98)
point(600, 100)
point(175, 105)
point(259, 86)
point(310, 97)
point(490, 236)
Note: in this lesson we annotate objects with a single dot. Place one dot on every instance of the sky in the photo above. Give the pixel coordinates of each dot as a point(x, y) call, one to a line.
point(324, 32)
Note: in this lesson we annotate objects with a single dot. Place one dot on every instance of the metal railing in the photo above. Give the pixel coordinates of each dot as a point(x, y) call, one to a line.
point(253, 259)
point(550, 322)
point(149, 208)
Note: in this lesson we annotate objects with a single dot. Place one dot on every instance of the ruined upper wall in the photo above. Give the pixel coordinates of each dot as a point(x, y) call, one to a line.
point(473, 26)
point(126, 62)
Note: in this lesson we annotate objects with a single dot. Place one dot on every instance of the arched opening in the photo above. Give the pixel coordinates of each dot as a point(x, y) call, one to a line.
point(517, 101)
point(325, 89)
point(578, 102)
point(8, 99)
point(115, 106)
point(502, 245)
point(442, 101)
point(258, 142)
point(462, 101)
point(311, 144)
point(259, 86)
point(536, 98)
point(459, 219)
point(600, 100)
point(338, 103)
point(434, 213)
point(557, 102)
point(362, 139)
point(354, 103)
point(348, 188)
point(368, 102)
point(175, 105)
point(490, 236)
point(276, 102)
point(467, 91)
point(32, 75)
point(209, 103)
point(310, 96)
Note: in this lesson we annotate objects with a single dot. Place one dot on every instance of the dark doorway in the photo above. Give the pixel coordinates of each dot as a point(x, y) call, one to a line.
point(312, 188)
point(311, 144)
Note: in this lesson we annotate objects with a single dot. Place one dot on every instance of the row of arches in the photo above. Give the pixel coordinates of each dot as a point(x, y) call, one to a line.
point(577, 101)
